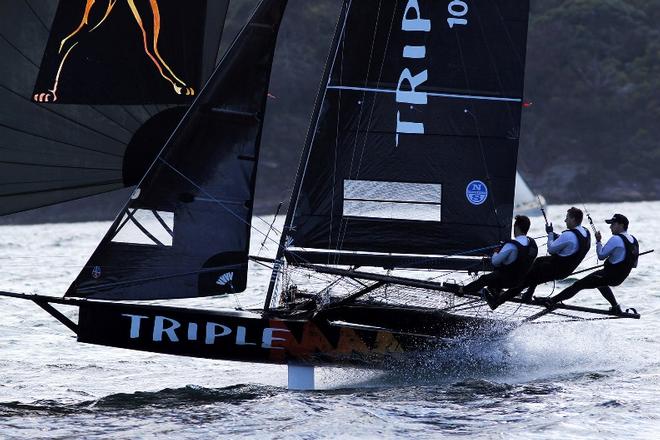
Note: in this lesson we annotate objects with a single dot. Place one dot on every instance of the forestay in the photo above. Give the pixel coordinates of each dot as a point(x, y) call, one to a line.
point(185, 233)
point(413, 146)
point(91, 90)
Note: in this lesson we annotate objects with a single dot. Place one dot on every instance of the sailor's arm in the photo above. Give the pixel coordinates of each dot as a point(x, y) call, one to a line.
point(607, 250)
point(556, 245)
point(499, 258)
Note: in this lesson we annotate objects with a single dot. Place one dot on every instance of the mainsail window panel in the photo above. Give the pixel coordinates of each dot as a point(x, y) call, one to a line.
point(392, 200)
point(392, 211)
point(146, 227)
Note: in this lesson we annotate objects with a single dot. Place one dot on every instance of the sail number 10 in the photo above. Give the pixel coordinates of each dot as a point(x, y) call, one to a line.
point(457, 9)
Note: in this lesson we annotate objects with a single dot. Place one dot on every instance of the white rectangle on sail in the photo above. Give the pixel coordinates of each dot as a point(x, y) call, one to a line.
point(392, 191)
point(147, 227)
point(392, 200)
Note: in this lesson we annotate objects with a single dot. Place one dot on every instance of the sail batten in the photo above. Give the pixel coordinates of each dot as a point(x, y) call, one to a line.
point(428, 93)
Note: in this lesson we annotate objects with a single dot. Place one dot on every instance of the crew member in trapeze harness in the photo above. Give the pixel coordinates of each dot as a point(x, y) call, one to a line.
point(566, 253)
point(511, 263)
point(620, 254)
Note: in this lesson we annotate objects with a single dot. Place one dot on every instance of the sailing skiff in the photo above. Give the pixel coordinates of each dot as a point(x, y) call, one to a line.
point(409, 168)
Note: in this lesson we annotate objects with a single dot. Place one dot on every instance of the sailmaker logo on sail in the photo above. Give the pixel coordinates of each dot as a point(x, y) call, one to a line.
point(476, 192)
point(406, 91)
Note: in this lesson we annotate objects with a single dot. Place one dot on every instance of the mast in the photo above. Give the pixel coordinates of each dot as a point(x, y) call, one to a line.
point(334, 47)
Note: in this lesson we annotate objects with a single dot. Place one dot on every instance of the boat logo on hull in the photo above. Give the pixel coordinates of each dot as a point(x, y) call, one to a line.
point(476, 192)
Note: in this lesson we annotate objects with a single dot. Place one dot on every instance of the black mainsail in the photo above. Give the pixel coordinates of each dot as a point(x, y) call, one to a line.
point(92, 89)
point(413, 146)
point(185, 232)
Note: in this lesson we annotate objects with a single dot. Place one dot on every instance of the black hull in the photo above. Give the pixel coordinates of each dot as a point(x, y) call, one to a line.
point(352, 334)
point(355, 335)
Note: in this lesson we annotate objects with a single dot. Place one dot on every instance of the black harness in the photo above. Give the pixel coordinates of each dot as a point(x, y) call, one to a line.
point(564, 266)
point(617, 273)
point(523, 263)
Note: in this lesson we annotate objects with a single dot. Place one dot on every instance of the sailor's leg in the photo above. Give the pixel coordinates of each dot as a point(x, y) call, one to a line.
point(543, 271)
point(591, 281)
point(606, 291)
point(538, 274)
point(507, 295)
point(529, 293)
point(570, 291)
point(481, 282)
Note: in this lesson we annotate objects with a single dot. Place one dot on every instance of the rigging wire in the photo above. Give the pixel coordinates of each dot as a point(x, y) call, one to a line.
point(307, 152)
point(334, 162)
point(343, 222)
point(378, 83)
point(130, 269)
point(478, 131)
point(493, 64)
point(263, 243)
point(301, 173)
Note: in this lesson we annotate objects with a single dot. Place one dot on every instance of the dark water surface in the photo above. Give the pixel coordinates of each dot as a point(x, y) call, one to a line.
point(589, 380)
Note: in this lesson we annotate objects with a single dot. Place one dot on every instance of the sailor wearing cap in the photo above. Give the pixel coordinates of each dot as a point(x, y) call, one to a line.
point(620, 254)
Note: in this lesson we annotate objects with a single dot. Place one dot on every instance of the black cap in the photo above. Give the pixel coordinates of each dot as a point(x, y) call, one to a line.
point(618, 218)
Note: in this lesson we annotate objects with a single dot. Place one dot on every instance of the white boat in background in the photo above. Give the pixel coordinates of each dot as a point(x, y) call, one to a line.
point(525, 202)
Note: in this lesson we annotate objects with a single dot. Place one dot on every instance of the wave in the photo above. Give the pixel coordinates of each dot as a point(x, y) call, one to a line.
point(166, 398)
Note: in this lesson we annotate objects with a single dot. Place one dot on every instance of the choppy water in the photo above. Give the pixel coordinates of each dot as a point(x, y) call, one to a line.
point(579, 380)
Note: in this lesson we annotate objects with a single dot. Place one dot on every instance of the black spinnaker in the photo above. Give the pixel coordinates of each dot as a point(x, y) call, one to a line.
point(91, 90)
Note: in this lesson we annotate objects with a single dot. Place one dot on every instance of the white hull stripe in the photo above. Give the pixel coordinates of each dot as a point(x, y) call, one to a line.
point(441, 95)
